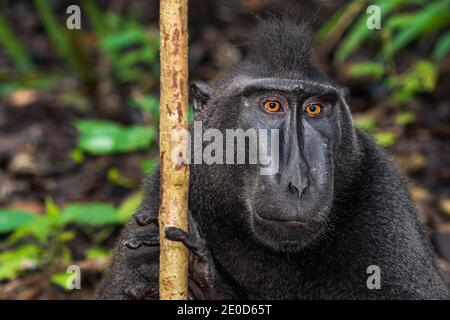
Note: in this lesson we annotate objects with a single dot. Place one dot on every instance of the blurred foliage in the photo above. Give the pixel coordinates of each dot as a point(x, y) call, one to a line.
point(148, 166)
point(15, 261)
point(365, 123)
point(47, 236)
point(104, 137)
point(148, 104)
point(427, 18)
point(11, 219)
point(403, 23)
point(60, 38)
point(9, 84)
point(62, 279)
point(404, 118)
point(13, 47)
point(385, 139)
point(131, 55)
point(422, 77)
point(131, 49)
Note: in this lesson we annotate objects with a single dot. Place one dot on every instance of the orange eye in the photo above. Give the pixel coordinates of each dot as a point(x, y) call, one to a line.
point(273, 105)
point(313, 109)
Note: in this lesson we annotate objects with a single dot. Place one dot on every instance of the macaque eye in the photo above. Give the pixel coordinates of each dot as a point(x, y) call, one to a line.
point(313, 109)
point(273, 105)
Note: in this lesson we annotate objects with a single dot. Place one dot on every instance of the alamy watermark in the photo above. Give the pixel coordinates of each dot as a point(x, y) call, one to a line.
point(74, 20)
point(74, 279)
point(236, 146)
point(374, 280)
point(374, 20)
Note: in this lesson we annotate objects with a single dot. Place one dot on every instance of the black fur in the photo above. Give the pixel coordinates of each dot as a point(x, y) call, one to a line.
point(371, 219)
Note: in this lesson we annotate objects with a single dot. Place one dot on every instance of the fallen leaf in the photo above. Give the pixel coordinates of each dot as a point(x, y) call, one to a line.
point(22, 97)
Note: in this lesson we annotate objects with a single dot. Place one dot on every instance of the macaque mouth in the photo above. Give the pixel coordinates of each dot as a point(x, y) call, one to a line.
point(287, 222)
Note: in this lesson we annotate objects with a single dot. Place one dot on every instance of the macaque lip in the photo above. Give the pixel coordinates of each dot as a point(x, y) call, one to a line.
point(292, 223)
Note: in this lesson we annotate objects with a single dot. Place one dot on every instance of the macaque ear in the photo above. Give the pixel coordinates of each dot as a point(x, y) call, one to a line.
point(199, 93)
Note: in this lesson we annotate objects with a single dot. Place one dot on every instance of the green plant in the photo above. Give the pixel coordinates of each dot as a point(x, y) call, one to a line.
point(47, 236)
point(15, 261)
point(403, 23)
point(129, 47)
point(404, 118)
point(385, 139)
point(359, 31)
point(365, 123)
point(14, 48)
point(406, 27)
point(432, 17)
point(442, 46)
point(61, 40)
point(99, 137)
point(422, 77)
point(148, 166)
point(370, 69)
point(32, 81)
point(61, 279)
point(148, 104)
point(114, 176)
point(11, 219)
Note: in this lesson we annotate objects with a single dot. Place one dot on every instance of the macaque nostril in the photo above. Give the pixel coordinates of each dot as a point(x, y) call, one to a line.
point(296, 190)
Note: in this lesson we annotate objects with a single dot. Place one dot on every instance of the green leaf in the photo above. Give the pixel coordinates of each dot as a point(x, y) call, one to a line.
point(115, 177)
point(129, 206)
point(77, 155)
point(28, 81)
point(11, 219)
point(105, 137)
point(422, 77)
point(15, 261)
point(385, 139)
point(365, 123)
point(190, 113)
point(370, 69)
point(66, 236)
point(404, 118)
point(40, 228)
point(148, 166)
point(91, 214)
point(96, 18)
point(442, 46)
point(128, 45)
point(432, 17)
point(65, 257)
point(400, 21)
point(97, 253)
point(122, 40)
point(327, 28)
point(13, 47)
point(63, 279)
point(150, 104)
point(51, 209)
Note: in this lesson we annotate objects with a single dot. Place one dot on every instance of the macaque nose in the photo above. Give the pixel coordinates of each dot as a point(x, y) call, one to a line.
point(297, 189)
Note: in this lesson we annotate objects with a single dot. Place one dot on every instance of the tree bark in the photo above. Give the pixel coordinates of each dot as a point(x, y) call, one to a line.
point(173, 283)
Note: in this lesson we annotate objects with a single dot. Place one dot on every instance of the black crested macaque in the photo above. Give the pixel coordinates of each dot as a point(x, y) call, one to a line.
point(336, 206)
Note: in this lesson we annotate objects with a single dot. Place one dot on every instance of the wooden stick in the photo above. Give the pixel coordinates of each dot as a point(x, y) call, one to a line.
point(173, 210)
